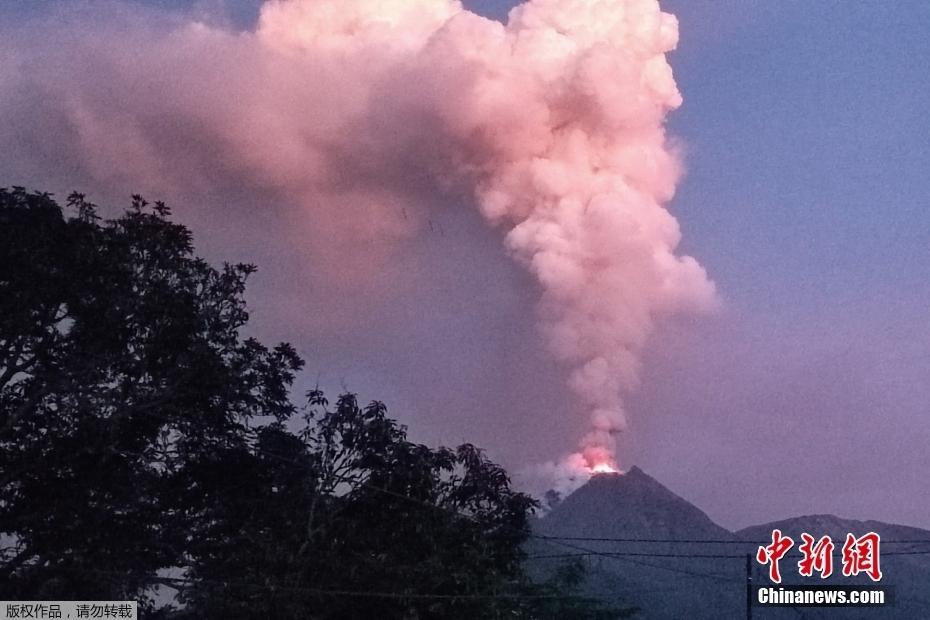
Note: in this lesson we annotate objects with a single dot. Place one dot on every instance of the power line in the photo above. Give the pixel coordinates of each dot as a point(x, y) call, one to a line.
point(634, 554)
point(689, 541)
point(178, 582)
point(684, 555)
point(642, 563)
point(560, 540)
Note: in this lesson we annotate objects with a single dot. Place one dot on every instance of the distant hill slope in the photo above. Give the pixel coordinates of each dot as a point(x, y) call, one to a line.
point(710, 580)
point(837, 527)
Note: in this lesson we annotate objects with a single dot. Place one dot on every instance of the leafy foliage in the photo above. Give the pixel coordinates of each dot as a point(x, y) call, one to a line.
point(140, 431)
point(121, 365)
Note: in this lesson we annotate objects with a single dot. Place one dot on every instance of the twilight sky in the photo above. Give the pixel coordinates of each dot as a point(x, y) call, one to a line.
point(806, 148)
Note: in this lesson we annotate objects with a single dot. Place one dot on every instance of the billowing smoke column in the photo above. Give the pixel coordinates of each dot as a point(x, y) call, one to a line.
point(363, 109)
point(556, 121)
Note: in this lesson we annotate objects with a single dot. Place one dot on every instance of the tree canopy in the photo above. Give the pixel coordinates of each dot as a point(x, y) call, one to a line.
point(145, 441)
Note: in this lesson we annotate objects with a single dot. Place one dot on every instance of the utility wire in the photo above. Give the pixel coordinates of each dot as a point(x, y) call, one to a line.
point(561, 540)
point(684, 555)
point(693, 540)
point(178, 582)
point(672, 569)
point(634, 554)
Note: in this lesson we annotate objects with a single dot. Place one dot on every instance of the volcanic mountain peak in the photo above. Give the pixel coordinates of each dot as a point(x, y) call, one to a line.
point(632, 504)
point(650, 548)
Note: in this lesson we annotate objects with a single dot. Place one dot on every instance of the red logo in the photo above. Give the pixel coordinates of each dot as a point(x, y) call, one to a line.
point(773, 553)
point(817, 557)
point(860, 555)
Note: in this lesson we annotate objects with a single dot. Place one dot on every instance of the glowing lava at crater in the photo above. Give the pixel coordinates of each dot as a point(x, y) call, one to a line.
point(604, 468)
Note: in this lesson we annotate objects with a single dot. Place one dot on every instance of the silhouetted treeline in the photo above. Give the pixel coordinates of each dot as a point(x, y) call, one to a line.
point(145, 442)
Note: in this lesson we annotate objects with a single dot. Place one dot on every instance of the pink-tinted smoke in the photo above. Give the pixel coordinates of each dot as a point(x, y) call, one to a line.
point(367, 112)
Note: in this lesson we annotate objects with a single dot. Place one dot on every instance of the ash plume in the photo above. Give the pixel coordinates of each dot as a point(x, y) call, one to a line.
point(366, 113)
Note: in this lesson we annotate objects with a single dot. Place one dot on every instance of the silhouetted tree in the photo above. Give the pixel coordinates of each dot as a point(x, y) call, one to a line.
point(139, 431)
point(121, 366)
point(349, 519)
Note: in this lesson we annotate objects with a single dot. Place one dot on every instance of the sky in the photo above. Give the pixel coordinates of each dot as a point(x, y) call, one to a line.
point(804, 142)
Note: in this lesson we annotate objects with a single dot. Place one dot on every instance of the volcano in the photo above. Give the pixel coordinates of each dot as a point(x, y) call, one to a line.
point(639, 507)
point(645, 546)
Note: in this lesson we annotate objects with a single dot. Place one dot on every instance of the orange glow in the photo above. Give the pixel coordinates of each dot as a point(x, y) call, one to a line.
point(603, 468)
